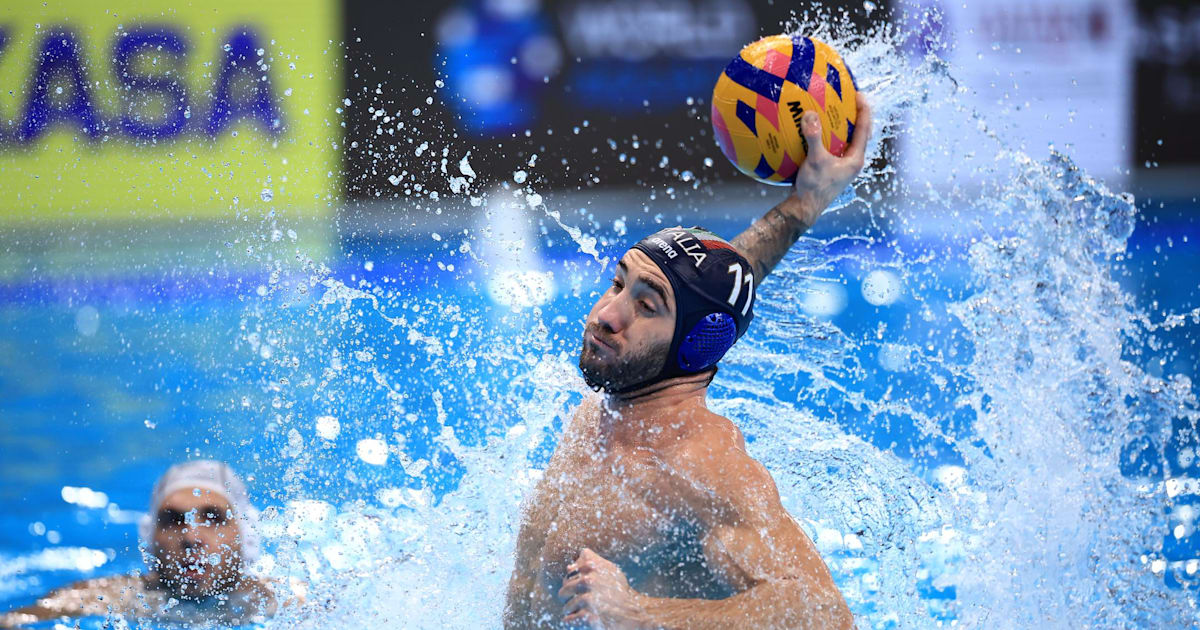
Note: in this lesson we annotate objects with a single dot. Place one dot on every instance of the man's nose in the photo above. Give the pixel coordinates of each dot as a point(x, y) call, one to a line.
point(613, 316)
point(191, 538)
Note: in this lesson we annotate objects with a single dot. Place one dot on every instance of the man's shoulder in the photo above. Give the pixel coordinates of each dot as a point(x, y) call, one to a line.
point(108, 584)
point(712, 457)
point(709, 437)
point(93, 595)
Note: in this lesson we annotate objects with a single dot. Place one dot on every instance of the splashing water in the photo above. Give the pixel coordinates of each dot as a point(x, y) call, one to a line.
point(1005, 506)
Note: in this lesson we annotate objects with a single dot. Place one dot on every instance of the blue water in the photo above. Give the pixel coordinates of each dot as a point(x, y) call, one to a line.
point(976, 401)
point(169, 373)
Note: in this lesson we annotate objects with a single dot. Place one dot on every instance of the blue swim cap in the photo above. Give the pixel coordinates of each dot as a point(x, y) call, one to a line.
point(714, 296)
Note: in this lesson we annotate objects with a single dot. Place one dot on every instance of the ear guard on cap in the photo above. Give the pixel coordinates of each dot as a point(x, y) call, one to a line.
point(708, 341)
point(714, 297)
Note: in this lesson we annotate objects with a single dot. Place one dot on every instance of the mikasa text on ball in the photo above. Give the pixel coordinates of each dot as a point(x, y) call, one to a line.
point(763, 93)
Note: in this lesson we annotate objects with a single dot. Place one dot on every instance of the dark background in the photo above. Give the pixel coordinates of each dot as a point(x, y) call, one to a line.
point(1167, 101)
point(592, 77)
point(605, 74)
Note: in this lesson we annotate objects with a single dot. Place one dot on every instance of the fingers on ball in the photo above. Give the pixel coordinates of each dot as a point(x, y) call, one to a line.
point(812, 124)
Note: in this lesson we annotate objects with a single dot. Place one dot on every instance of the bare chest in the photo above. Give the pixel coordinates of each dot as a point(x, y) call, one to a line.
point(620, 508)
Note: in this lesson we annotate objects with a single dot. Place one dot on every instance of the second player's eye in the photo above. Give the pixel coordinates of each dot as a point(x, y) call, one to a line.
point(648, 306)
point(616, 284)
point(169, 518)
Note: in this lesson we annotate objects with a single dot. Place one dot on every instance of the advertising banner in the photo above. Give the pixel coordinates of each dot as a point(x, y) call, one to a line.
point(130, 109)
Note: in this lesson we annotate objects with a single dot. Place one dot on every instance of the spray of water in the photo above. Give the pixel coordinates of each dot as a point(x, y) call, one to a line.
point(1008, 508)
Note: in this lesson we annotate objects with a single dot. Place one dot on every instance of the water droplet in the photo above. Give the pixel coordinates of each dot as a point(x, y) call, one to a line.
point(881, 287)
point(372, 451)
point(87, 321)
point(328, 427)
point(464, 166)
point(266, 195)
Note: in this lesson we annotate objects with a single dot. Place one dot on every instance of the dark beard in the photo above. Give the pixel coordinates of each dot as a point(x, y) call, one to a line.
point(188, 590)
point(627, 370)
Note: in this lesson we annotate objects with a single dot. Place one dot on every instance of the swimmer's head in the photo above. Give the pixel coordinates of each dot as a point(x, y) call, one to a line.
point(680, 298)
point(197, 534)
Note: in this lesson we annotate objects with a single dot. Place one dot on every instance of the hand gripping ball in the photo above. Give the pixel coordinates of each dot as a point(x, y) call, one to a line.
point(763, 93)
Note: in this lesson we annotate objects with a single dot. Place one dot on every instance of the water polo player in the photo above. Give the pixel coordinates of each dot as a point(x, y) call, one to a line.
point(197, 539)
point(651, 514)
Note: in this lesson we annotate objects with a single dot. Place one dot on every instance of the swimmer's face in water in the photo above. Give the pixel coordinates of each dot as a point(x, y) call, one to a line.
point(628, 333)
point(193, 528)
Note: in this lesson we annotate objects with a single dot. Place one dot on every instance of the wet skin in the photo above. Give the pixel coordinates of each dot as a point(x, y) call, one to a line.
point(651, 514)
point(193, 527)
point(655, 505)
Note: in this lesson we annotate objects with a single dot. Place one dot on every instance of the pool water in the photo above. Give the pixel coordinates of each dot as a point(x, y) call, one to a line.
point(105, 384)
point(977, 403)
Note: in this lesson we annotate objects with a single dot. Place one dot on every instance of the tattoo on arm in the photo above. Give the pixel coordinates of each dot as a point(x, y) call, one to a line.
point(768, 239)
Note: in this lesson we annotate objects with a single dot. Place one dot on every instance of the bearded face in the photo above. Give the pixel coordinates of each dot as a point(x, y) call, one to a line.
point(628, 332)
point(609, 367)
point(197, 546)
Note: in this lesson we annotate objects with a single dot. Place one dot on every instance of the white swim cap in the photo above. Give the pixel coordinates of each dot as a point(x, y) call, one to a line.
point(213, 476)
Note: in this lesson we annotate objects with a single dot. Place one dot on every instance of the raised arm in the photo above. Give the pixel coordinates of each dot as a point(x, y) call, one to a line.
point(821, 178)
